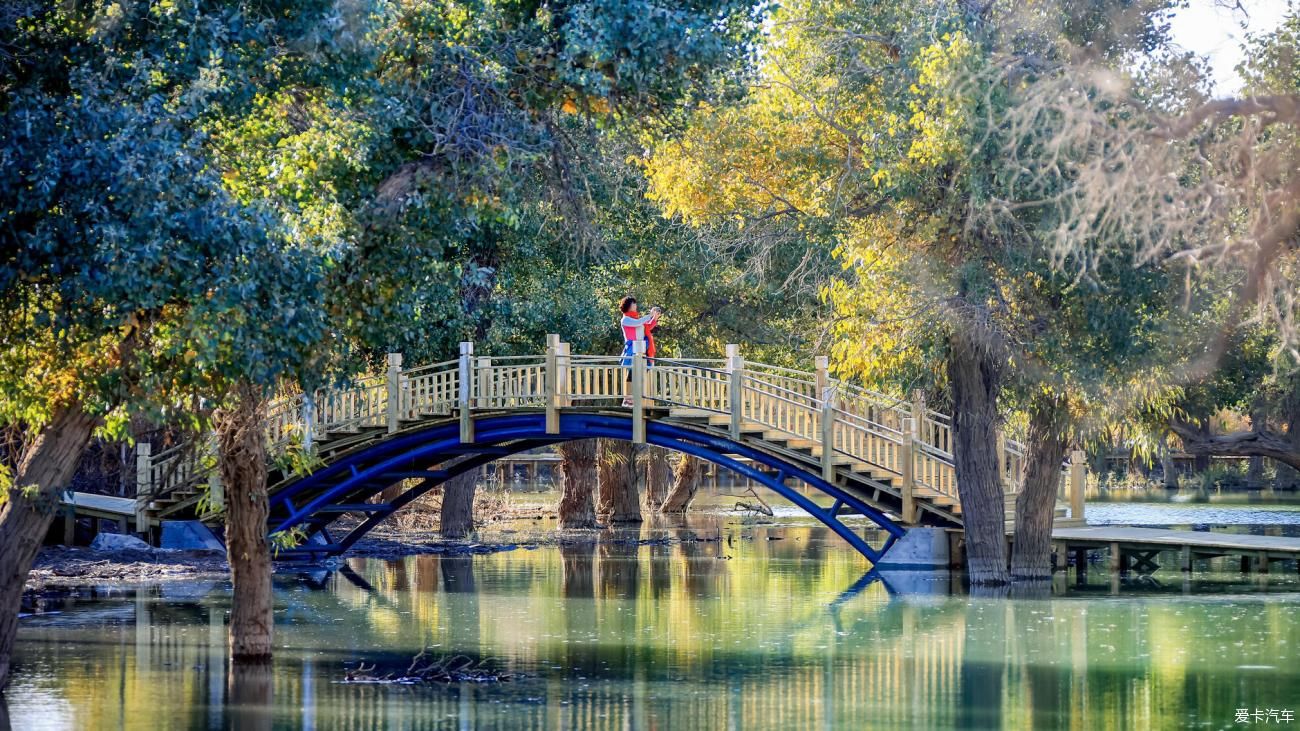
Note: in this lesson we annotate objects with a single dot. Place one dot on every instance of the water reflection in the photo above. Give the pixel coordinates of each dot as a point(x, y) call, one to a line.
point(670, 626)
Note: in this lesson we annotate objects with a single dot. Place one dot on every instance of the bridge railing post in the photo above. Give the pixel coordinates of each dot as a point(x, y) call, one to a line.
point(394, 390)
point(1078, 483)
point(216, 492)
point(735, 388)
point(917, 432)
point(826, 392)
point(308, 422)
point(551, 385)
point(465, 395)
point(563, 358)
point(638, 391)
point(907, 466)
point(143, 484)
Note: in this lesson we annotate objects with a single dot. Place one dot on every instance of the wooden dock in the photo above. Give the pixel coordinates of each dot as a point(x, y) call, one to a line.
point(1135, 549)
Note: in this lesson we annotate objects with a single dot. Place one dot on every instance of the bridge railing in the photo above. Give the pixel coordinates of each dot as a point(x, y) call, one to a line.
point(893, 438)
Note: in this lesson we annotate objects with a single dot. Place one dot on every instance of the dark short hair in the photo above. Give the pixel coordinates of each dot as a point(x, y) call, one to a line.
point(626, 303)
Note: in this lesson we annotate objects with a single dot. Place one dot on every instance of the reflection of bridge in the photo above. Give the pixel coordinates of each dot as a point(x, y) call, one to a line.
point(870, 455)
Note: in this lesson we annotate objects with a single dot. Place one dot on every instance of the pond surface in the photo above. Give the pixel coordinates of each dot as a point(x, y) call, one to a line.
point(725, 624)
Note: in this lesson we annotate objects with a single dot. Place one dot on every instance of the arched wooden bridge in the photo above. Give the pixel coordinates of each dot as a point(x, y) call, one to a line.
point(870, 455)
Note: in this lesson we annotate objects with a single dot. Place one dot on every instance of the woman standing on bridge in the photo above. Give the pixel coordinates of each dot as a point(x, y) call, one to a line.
point(635, 327)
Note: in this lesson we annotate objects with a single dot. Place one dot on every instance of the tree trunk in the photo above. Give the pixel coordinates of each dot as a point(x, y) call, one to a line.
point(975, 378)
point(685, 482)
point(658, 478)
point(457, 519)
point(1031, 557)
point(250, 705)
point(44, 471)
point(1288, 473)
point(1168, 467)
point(242, 459)
point(608, 473)
point(620, 480)
point(578, 470)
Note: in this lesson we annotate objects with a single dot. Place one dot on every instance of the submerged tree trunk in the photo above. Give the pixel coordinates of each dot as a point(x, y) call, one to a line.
point(457, 520)
point(975, 376)
point(620, 481)
point(607, 475)
point(578, 470)
point(658, 478)
point(44, 471)
point(685, 482)
point(1031, 557)
point(242, 461)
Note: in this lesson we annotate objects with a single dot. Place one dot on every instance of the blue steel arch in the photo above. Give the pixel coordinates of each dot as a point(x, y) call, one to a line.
point(367, 471)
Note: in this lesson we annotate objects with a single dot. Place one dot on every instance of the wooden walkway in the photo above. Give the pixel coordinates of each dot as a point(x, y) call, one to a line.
point(1136, 548)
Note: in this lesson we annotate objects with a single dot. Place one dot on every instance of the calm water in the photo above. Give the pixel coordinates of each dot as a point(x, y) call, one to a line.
point(730, 625)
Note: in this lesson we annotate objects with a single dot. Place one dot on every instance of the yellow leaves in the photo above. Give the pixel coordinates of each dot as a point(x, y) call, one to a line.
point(939, 111)
point(569, 106)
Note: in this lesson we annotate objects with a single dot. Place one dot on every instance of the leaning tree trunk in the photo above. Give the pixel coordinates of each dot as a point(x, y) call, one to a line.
point(685, 482)
point(457, 520)
point(578, 470)
point(975, 376)
point(658, 477)
point(242, 458)
point(620, 480)
point(1031, 557)
point(44, 471)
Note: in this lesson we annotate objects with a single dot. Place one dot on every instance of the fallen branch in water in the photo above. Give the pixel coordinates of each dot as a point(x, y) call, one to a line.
point(450, 669)
point(761, 507)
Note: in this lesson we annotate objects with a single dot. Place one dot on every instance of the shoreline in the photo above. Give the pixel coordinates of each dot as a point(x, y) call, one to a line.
point(64, 566)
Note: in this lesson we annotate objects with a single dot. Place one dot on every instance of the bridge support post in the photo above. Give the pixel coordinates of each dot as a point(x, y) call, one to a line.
point(466, 392)
point(638, 391)
point(827, 394)
point(143, 485)
point(394, 390)
point(735, 379)
point(1078, 482)
point(551, 385)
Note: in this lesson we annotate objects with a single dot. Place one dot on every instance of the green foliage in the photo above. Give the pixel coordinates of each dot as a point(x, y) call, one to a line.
point(283, 540)
point(295, 459)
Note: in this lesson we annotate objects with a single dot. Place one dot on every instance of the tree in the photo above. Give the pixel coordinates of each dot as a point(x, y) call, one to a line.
point(118, 237)
point(886, 129)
